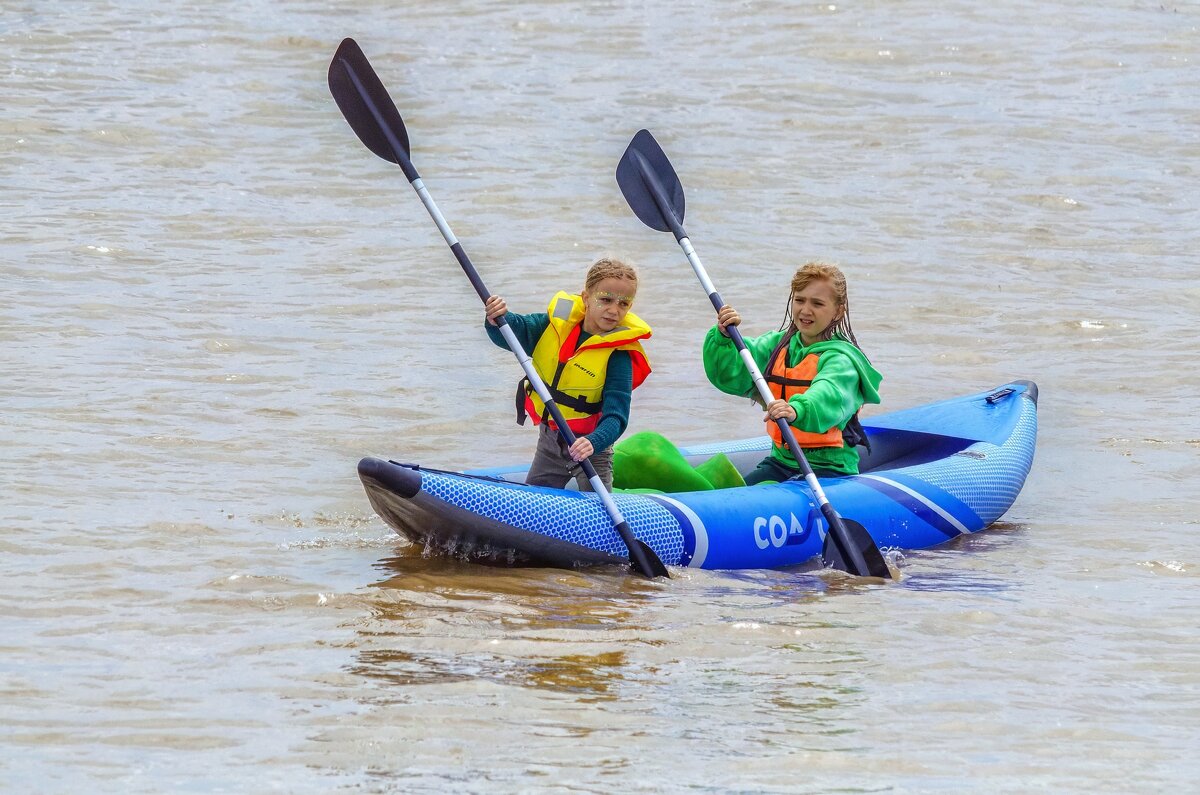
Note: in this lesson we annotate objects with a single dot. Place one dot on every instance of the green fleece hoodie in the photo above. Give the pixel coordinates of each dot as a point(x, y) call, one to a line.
point(845, 380)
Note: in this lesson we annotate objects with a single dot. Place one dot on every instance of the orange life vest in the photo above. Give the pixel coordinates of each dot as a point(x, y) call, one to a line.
point(788, 381)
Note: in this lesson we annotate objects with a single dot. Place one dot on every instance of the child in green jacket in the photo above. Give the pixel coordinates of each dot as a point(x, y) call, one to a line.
point(816, 372)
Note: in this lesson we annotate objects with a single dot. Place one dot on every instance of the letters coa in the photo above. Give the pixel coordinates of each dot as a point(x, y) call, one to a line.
point(775, 531)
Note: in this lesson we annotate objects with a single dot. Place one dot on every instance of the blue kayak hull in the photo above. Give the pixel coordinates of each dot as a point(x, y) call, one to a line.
point(934, 472)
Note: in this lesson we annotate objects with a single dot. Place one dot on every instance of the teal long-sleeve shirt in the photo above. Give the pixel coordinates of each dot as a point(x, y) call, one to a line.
point(618, 381)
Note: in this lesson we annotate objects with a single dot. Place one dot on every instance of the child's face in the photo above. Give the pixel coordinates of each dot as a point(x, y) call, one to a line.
point(815, 309)
point(606, 304)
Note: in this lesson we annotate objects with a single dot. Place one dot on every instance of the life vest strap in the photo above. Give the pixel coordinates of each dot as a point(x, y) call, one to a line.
point(783, 381)
point(575, 403)
point(854, 435)
point(579, 404)
point(522, 392)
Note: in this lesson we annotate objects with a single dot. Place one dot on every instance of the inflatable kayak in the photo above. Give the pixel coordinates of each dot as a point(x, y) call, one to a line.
point(933, 473)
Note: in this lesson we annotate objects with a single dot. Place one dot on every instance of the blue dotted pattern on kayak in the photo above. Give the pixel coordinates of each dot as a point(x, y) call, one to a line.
point(570, 516)
point(985, 476)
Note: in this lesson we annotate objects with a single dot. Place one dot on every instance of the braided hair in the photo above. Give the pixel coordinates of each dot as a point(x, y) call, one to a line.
point(609, 268)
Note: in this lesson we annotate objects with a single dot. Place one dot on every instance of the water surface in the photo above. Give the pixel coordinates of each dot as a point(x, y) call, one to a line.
point(215, 301)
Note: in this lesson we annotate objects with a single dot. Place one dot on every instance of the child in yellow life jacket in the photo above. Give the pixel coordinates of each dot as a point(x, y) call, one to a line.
point(587, 350)
point(818, 375)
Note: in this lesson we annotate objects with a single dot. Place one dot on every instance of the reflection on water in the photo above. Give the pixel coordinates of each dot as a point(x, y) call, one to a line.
point(528, 620)
point(808, 583)
point(592, 675)
point(439, 621)
point(957, 581)
point(527, 598)
point(952, 567)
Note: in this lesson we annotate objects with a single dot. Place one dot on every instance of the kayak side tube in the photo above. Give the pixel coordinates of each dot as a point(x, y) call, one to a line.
point(407, 499)
point(950, 486)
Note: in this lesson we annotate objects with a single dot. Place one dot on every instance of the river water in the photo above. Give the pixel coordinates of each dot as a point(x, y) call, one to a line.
point(216, 300)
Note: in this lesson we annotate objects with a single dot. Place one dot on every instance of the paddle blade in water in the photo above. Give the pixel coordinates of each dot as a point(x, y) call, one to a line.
point(365, 103)
point(869, 561)
point(647, 561)
point(645, 171)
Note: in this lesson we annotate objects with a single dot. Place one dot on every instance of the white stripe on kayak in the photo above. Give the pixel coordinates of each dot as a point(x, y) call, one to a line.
point(698, 530)
point(921, 498)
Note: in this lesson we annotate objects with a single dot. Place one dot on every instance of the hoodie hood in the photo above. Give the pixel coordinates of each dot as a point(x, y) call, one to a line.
point(869, 377)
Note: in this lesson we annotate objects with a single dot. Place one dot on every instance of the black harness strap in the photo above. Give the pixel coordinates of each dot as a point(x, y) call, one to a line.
point(781, 350)
point(574, 402)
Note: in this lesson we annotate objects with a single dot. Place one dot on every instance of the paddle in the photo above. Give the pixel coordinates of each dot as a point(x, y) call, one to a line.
point(373, 116)
point(655, 195)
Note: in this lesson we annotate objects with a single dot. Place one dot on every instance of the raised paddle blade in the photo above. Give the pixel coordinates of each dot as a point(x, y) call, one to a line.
point(869, 560)
point(366, 104)
point(650, 185)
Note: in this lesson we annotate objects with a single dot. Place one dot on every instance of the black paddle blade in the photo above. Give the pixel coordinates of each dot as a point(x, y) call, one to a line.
point(650, 185)
point(648, 562)
point(642, 558)
point(868, 562)
point(366, 104)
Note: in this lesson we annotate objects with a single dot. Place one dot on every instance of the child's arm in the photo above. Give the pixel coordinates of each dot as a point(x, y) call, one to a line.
point(724, 366)
point(527, 328)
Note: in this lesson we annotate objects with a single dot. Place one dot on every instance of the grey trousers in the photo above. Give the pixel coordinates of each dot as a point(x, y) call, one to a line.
point(553, 467)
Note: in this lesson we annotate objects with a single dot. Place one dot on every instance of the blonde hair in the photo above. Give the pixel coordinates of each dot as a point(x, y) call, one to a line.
point(814, 271)
point(609, 268)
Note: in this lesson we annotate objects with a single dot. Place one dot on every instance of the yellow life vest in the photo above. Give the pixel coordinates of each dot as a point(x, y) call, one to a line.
point(575, 373)
point(788, 381)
